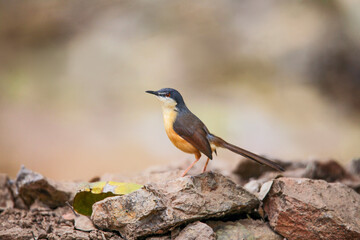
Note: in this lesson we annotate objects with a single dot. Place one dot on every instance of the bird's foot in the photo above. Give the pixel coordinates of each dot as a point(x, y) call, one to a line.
point(207, 161)
point(191, 165)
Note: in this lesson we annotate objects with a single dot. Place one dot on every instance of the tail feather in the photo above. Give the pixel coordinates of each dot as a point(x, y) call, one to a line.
point(222, 143)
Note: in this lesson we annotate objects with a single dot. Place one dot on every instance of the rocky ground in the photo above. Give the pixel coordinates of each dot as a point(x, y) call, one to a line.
point(313, 200)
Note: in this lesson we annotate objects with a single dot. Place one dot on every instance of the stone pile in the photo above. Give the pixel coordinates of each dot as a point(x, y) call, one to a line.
point(316, 200)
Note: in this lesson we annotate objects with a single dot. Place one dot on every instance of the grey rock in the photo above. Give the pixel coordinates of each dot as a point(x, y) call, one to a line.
point(196, 231)
point(313, 209)
point(243, 229)
point(157, 208)
point(33, 186)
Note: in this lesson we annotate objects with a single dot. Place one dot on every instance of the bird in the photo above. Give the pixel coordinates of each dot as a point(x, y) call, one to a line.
point(189, 134)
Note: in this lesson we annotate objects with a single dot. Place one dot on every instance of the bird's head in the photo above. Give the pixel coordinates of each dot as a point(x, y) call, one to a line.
point(169, 97)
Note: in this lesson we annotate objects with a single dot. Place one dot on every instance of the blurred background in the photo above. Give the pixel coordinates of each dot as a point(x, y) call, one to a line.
point(277, 77)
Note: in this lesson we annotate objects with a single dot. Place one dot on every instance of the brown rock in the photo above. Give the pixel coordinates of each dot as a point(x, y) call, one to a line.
point(329, 171)
point(33, 186)
point(6, 200)
point(196, 231)
point(313, 209)
point(247, 169)
point(158, 207)
point(243, 229)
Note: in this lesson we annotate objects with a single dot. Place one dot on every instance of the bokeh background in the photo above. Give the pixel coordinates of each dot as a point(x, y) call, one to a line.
point(278, 77)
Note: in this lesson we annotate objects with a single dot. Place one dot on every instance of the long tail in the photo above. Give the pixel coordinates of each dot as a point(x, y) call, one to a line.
point(222, 143)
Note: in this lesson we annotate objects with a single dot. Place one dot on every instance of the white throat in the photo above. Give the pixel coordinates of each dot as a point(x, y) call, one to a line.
point(167, 103)
point(168, 106)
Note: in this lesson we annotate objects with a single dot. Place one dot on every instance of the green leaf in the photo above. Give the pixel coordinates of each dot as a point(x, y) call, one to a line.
point(91, 193)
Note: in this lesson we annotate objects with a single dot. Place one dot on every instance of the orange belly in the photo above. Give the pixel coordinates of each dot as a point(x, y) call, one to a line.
point(169, 119)
point(179, 142)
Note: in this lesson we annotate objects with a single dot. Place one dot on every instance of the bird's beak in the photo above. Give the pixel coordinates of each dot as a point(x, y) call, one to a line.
point(153, 92)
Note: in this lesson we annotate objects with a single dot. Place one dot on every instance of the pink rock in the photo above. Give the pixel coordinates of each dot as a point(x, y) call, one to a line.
point(301, 208)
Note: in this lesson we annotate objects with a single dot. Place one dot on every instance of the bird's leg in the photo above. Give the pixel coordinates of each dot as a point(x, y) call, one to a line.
point(207, 161)
point(197, 158)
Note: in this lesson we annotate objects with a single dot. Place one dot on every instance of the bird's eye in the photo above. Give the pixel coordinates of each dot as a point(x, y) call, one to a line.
point(167, 95)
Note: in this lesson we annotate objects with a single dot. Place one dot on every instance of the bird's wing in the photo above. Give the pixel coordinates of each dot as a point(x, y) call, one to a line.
point(190, 128)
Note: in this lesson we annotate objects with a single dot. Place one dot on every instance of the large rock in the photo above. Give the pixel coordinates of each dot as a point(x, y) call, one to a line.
point(32, 186)
point(243, 229)
point(157, 208)
point(313, 209)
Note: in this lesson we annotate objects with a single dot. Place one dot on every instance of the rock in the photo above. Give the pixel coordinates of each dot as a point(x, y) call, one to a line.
point(83, 223)
point(33, 186)
point(247, 169)
point(313, 209)
point(69, 216)
point(114, 213)
point(196, 231)
point(243, 229)
point(329, 171)
point(355, 166)
point(157, 208)
point(264, 190)
point(6, 199)
point(259, 188)
point(18, 202)
point(353, 183)
point(253, 186)
point(38, 205)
